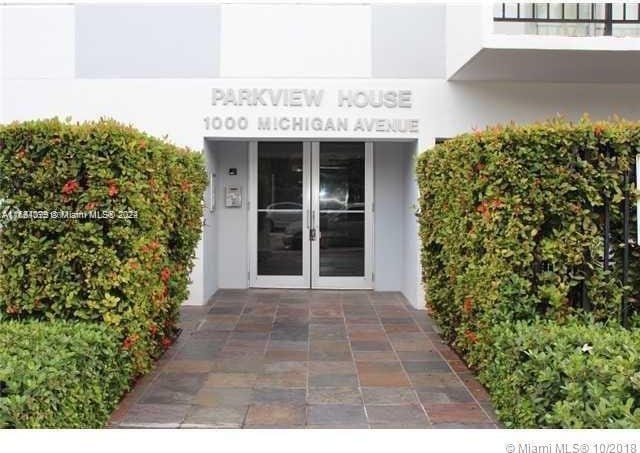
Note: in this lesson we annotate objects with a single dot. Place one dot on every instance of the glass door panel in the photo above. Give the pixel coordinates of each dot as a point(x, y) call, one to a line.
point(281, 234)
point(341, 194)
point(341, 198)
point(342, 244)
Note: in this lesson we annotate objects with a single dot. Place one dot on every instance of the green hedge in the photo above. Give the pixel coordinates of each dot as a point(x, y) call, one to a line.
point(511, 225)
point(129, 271)
point(565, 376)
point(60, 374)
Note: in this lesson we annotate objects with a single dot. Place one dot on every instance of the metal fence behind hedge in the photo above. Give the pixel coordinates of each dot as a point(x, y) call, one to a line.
point(629, 177)
point(630, 182)
point(609, 257)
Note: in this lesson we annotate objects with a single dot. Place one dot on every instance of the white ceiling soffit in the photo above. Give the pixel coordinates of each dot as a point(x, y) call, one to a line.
point(554, 59)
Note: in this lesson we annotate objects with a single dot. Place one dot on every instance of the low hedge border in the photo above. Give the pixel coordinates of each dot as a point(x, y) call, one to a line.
point(60, 374)
point(575, 375)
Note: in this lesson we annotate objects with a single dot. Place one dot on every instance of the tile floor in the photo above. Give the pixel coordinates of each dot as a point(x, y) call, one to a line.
point(307, 359)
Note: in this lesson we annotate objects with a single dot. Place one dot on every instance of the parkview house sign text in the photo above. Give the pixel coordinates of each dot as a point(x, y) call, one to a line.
point(309, 99)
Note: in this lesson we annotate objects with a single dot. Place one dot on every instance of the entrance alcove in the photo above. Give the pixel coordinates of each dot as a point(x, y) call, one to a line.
point(235, 237)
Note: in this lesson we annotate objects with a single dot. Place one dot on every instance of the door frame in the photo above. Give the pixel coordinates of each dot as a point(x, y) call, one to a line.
point(310, 257)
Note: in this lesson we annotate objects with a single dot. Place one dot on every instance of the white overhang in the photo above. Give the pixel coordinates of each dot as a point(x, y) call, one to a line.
point(476, 53)
point(533, 58)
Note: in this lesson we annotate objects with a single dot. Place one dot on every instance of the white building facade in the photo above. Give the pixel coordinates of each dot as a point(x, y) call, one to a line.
point(310, 115)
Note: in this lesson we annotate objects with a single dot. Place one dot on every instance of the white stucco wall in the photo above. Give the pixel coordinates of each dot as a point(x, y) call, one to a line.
point(232, 253)
point(296, 40)
point(41, 78)
point(210, 228)
point(390, 162)
point(465, 29)
point(38, 42)
point(412, 288)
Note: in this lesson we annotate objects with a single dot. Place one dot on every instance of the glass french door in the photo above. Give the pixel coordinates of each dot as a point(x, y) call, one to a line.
point(341, 199)
point(311, 206)
point(280, 214)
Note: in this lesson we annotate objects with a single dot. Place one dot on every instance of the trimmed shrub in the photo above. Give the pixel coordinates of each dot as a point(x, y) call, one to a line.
point(511, 223)
point(127, 211)
point(513, 251)
point(60, 374)
point(564, 376)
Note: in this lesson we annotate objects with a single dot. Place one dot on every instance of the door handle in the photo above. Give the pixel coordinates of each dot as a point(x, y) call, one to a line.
point(312, 230)
point(308, 221)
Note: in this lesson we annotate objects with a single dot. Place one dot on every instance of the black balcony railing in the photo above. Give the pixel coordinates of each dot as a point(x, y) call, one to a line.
point(571, 13)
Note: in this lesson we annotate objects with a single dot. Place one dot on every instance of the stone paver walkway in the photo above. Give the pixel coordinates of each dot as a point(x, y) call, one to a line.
point(315, 359)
